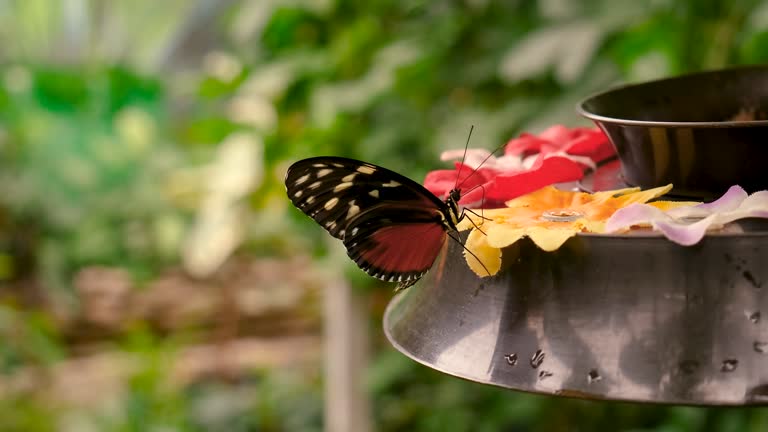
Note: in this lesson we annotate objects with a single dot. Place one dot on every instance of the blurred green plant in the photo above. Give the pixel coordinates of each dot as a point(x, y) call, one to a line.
point(84, 166)
point(150, 400)
point(30, 338)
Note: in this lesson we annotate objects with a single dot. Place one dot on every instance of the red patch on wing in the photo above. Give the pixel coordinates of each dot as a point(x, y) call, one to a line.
point(405, 248)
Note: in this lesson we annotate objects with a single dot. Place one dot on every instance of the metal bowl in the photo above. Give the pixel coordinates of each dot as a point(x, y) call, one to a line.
point(702, 132)
point(634, 318)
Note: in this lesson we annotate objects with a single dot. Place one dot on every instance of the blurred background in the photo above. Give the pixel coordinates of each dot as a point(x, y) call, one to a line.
point(153, 274)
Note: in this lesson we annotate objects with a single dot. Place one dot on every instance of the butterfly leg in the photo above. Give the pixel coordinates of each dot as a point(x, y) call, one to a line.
point(480, 216)
point(468, 251)
point(477, 227)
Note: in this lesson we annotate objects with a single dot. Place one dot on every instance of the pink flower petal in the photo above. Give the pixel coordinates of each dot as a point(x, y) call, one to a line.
point(728, 217)
point(731, 200)
point(592, 143)
point(683, 234)
point(631, 215)
point(472, 157)
point(558, 133)
point(583, 160)
point(544, 172)
point(509, 163)
point(530, 162)
point(527, 144)
point(675, 224)
point(589, 142)
point(757, 200)
point(440, 182)
point(476, 158)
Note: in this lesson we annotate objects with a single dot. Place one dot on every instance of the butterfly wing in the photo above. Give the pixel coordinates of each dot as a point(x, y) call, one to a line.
point(396, 244)
point(334, 190)
point(391, 226)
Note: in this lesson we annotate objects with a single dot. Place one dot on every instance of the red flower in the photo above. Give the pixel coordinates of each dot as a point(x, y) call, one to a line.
point(530, 162)
point(440, 182)
point(589, 142)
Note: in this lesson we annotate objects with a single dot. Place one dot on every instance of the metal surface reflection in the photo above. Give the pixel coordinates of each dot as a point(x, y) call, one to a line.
point(608, 317)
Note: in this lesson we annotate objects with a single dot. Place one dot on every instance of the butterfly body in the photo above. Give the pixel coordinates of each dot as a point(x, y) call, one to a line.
point(392, 227)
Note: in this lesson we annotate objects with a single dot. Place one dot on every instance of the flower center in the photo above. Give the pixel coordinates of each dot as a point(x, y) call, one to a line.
point(562, 215)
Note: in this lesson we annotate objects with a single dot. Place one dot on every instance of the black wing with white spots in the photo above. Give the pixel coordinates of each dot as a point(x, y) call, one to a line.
point(392, 227)
point(334, 190)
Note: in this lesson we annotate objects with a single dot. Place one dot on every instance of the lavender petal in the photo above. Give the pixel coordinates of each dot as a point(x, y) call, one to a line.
point(724, 218)
point(731, 200)
point(633, 214)
point(758, 200)
point(684, 234)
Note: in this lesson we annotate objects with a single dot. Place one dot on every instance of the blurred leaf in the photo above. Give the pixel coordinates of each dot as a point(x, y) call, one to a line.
point(290, 28)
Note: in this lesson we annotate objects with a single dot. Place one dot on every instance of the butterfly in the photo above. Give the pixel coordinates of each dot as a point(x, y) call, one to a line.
point(392, 227)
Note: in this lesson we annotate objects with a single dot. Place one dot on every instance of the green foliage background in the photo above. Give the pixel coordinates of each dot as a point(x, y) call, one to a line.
point(110, 109)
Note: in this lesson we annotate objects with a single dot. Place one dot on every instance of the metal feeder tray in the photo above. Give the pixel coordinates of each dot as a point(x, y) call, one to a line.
point(618, 317)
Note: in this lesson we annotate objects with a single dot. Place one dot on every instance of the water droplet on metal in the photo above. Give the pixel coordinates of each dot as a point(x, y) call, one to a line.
point(694, 299)
point(593, 376)
point(760, 347)
point(537, 358)
point(544, 374)
point(563, 215)
point(729, 365)
point(511, 359)
point(688, 366)
point(754, 317)
point(751, 279)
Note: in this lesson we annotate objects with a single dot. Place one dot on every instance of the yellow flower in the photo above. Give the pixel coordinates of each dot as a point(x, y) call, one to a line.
point(548, 217)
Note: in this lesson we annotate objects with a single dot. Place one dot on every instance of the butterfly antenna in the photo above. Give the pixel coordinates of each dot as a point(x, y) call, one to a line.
point(463, 157)
point(475, 187)
point(481, 164)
